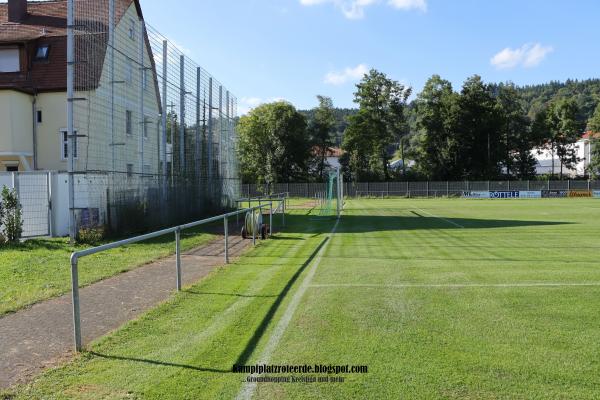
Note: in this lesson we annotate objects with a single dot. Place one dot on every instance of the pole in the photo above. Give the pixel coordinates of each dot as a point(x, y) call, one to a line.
point(197, 142)
point(142, 76)
point(182, 114)
point(111, 36)
point(70, 114)
point(221, 141)
point(164, 117)
point(178, 257)
point(226, 229)
point(210, 135)
point(49, 199)
point(253, 228)
point(271, 219)
point(75, 303)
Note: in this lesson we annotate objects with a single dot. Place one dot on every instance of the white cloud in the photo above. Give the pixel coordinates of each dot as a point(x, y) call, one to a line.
point(409, 4)
point(347, 75)
point(247, 104)
point(529, 55)
point(355, 9)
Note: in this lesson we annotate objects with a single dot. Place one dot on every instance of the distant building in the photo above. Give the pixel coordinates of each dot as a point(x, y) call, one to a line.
point(332, 156)
point(583, 149)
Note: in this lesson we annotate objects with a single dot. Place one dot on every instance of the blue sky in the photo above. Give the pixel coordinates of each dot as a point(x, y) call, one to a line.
point(296, 49)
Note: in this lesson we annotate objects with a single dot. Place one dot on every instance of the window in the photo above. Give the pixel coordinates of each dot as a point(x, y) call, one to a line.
point(12, 168)
point(128, 122)
point(65, 145)
point(39, 116)
point(129, 170)
point(145, 128)
point(132, 29)
point(9, 59)
point(42, 52)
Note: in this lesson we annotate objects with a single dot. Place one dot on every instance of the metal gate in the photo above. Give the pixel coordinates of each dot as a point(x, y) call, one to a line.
point(34, 190)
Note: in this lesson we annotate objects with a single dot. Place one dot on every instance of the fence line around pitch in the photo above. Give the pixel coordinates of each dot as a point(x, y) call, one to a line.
point(76, 256)
point(417, 189)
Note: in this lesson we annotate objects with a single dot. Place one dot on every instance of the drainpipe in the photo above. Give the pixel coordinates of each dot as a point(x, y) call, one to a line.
point(34, 112)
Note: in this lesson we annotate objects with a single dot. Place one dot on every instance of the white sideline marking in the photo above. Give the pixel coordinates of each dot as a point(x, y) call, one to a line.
point(451, 285)
point(248, 388)
point(443, 219)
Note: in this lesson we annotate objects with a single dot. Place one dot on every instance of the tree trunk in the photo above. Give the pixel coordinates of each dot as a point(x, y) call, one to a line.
point(552, 160)
point(386, 174)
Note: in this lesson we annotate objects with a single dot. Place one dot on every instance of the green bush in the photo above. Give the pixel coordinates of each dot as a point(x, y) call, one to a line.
point(11, 217)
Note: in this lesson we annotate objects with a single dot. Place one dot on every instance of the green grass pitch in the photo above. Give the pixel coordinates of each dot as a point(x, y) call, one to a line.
point(448, 298)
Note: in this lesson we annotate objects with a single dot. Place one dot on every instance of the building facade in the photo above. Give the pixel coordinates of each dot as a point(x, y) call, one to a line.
point(33, 98)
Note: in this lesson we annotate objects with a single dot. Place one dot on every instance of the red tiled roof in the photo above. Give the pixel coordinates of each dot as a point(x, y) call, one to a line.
point(331, 151)
point(591, 135)
point(45, 23)
point(44, 19)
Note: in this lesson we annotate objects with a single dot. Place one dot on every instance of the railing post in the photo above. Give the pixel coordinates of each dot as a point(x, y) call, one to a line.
point(271, 219)
point(283, 214)
point(178, 257)
point(253, 228)
point(226, 229)
point(75, 302)
point(49, 199)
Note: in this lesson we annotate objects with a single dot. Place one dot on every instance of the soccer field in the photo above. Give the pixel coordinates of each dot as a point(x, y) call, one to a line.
point(445, 298)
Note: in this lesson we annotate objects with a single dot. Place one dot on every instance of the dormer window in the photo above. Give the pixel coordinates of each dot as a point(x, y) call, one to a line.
point(9, 59)
point(42, 52)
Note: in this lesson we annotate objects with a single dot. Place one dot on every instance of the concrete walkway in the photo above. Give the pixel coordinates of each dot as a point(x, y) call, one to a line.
point(42, 336)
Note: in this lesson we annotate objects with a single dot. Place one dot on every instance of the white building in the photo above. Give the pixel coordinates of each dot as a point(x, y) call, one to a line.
point(583, 148)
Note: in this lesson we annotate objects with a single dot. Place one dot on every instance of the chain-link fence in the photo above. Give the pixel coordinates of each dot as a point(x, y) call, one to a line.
point(418, 189)
point(153, 140)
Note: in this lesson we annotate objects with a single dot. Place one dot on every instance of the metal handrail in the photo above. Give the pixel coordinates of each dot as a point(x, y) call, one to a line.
point(75, 256)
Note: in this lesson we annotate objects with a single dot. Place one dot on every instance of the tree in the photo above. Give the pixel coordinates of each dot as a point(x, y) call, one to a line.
point(273, 144)
point(515, 133)
point(564, 131)
point(594, 126)
point(358, 140)
point(436, 108)
point(321, 129)
point(480, 149)
point(381, 102)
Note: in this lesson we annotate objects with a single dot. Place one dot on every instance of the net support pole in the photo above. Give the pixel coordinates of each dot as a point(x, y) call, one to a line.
point(209, 144)
point(142, 75)
point(164, 120)
point(197, 142)
point(70, 115)
point(182, 114)
point(111, 40)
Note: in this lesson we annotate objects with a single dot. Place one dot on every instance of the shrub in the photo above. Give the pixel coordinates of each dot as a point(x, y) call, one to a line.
point(12, 221)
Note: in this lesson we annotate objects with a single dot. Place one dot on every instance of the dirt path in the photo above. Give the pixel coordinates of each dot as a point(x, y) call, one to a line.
point(42, 335)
